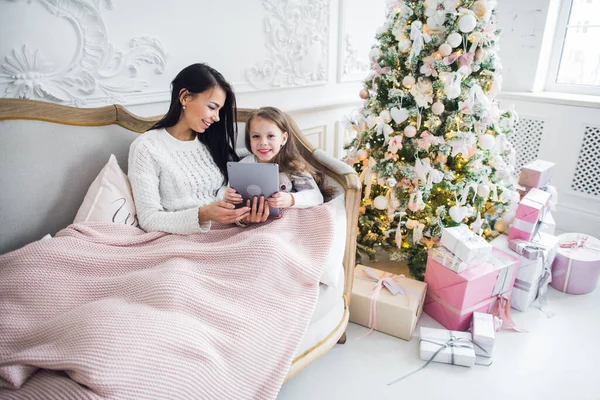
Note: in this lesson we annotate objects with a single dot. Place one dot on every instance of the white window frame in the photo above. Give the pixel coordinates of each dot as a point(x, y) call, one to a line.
point(557, 48)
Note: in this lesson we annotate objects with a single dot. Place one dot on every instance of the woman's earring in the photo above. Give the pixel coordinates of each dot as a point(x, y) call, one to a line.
point(184, 106)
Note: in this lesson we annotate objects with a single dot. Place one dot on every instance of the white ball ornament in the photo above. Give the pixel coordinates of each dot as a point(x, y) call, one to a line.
point(454, 39)
point(410, 131)
point(445, 50)
point(437, 108)
point(467, 23)
point(380, 203)
point(483, 191)
point(487, 141)
point(362, 154)
point(408, 81)
point(385, 116)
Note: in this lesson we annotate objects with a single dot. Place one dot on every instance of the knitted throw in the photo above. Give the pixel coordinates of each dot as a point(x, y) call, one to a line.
point(107, 311)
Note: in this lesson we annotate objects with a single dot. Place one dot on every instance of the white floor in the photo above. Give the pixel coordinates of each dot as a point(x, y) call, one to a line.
point(559, 358)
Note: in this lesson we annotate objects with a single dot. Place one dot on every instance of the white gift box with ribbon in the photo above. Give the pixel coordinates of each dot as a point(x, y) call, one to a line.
point(484, 334)
point(449, 347)
point(533, 275)
point(465, 244)
point(536, 174)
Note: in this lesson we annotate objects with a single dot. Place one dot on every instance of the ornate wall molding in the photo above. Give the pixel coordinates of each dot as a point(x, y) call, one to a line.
point(317, 136)
point(297, 41)
point(97, 68)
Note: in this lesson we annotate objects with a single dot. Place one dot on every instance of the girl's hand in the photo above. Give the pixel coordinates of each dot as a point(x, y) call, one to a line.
point(232, 197)
point(259, 210)
point(222, 212)
point(281, 200)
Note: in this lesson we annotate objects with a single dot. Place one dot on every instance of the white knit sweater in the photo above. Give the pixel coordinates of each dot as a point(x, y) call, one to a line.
point(170, 179)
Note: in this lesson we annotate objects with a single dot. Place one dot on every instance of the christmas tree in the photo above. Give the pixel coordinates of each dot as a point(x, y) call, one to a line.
point(430, 143)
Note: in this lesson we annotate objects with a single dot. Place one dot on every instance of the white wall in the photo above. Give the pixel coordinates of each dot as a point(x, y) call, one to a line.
point(306, 57)
point(283, 53)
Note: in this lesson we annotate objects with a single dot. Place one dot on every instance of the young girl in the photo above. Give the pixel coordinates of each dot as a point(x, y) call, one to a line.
point(269, 138)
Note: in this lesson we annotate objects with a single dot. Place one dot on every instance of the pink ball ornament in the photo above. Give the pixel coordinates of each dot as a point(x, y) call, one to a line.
point(480, 54)
point(362, 154)
point(408, 81)
point(437, 108)
point(363, 94)
point(445, 50)
point(410, 131)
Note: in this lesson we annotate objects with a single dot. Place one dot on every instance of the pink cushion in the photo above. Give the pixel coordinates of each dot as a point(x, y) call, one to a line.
point(109, 198)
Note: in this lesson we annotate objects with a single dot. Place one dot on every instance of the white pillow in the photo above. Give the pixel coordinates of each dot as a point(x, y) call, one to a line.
point(331, 274)
point(109, 197)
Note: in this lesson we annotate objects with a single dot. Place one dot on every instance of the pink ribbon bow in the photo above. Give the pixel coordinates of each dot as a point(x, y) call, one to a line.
point(387, 280)
point(378, 71)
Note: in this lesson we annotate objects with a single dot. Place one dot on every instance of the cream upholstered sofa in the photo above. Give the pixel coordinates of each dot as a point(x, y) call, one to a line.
point(50, 154)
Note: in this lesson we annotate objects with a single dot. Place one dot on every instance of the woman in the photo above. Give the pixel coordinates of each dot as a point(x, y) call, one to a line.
point(177, 168)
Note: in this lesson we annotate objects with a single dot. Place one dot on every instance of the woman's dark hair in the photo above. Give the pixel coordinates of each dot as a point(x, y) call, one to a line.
point(220, 137)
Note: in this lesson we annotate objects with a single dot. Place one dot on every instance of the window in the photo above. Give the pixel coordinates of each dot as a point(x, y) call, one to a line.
point(575, 60)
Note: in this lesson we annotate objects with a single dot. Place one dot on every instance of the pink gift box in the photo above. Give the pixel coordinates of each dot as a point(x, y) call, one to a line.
point(452, 298)
point(576, 268)
point(536, 174)
point(530, 210)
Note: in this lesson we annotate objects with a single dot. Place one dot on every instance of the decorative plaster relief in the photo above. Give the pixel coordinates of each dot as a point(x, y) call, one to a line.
point(297, 45)
point(96, 66)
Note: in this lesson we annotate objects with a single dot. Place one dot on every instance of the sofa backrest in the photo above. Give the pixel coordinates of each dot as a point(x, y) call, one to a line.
point(49, 156)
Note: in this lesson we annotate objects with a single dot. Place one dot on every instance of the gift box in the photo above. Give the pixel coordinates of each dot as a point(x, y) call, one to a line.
point(465, 244)
point(385, 302)
point(445, 257)
point(530, 212)
point(450, 347)
point(536, 174)
point(483, 333)
point(535, 262)
point(548, 224)
point(452, 298)
point(576, 268)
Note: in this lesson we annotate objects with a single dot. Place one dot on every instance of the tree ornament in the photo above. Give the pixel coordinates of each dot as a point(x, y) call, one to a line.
point(445, 49)
point(487, 141)
point(458, 213)
point(408, 81)
point(467, 23)
point(437, 108)
point(380, 202)
point(483, 191)
point(454, 39)
point(399, 114)
point(363, 94)
point(362, 154)
point(410, 131)
point(385, 116)
point(501, 226)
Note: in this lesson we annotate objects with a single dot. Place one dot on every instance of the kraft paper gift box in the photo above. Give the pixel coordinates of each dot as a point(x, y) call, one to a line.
point(452, 298)
point(484, 334)
point(536, 174)
point(530, 212)
point(576, 268)
point(452, 347)
point(465, 244)
point(535, 264)
point(394, 314)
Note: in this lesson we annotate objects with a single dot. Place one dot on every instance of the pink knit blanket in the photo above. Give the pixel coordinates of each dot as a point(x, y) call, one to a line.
point(107, 311)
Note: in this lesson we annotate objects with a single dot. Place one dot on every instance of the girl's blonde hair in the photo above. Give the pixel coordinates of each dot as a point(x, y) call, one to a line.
point(289, 158)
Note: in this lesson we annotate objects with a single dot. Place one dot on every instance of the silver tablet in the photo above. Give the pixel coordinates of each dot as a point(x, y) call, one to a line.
point(249, 180)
